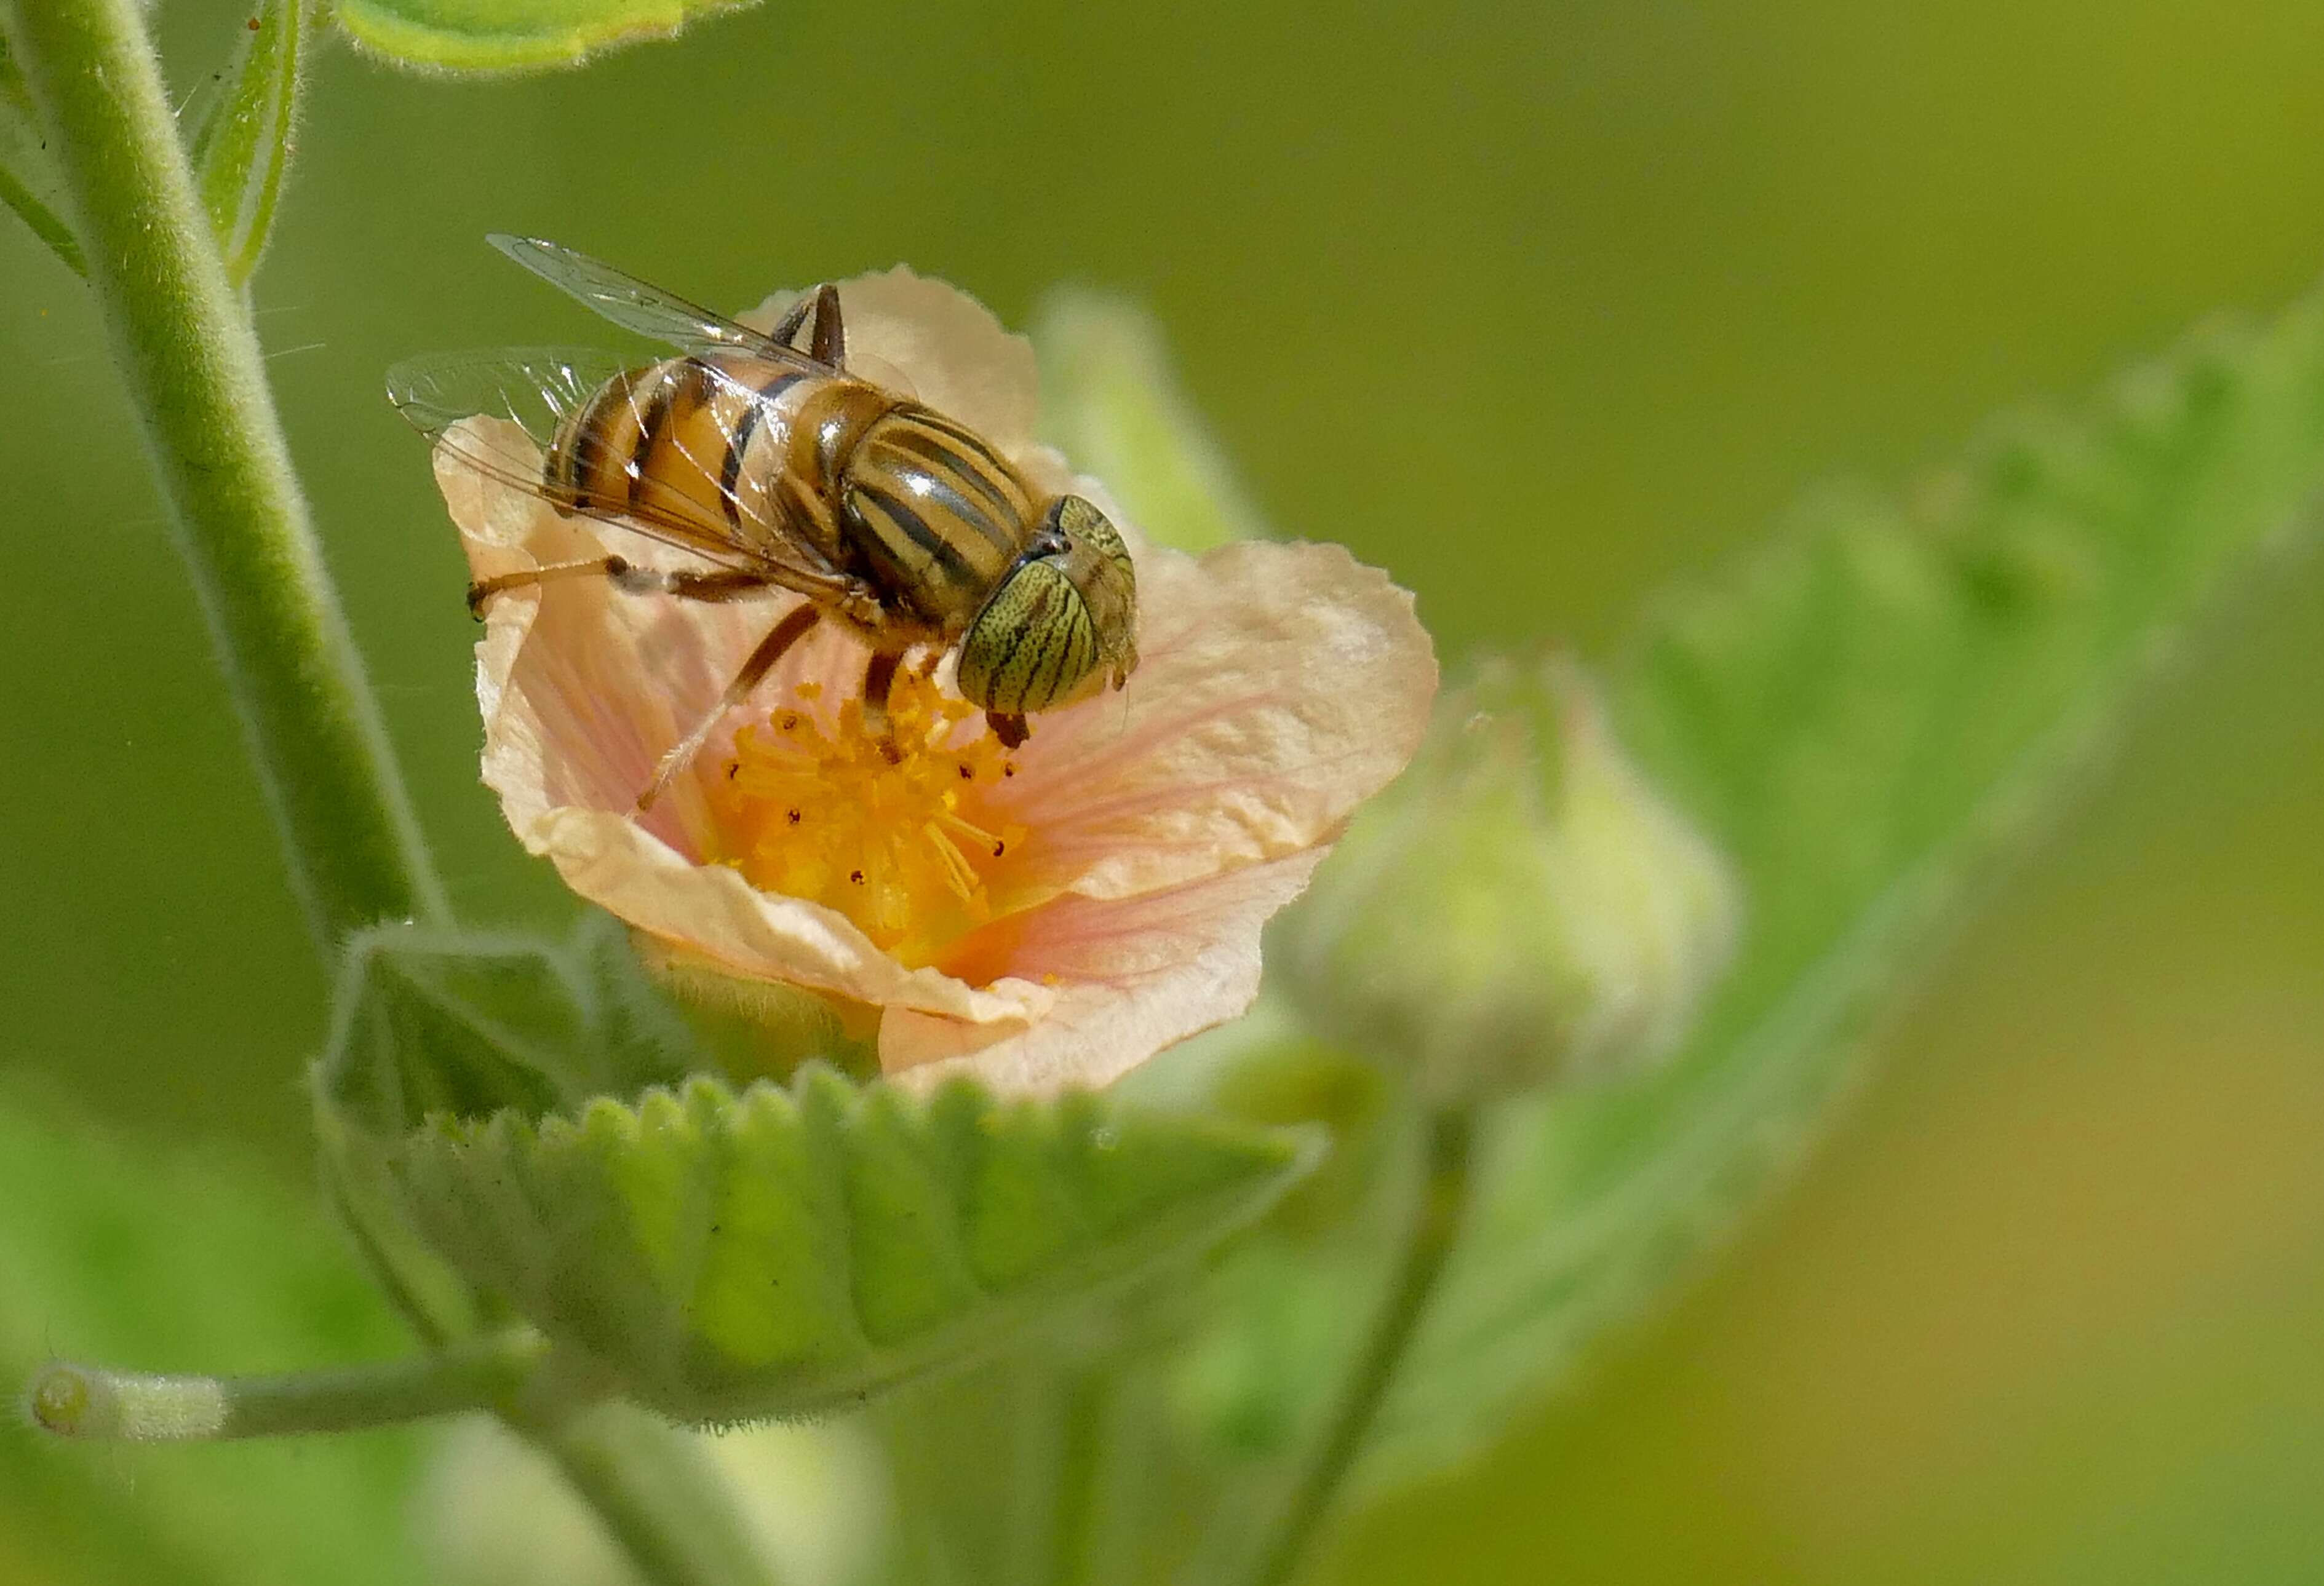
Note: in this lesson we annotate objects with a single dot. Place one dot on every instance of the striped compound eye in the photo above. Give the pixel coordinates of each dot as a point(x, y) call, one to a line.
point(1033, 644)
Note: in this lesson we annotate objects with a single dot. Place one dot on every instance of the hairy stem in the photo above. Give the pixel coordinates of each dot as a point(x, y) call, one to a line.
point(187, 351)
point(1436, 1219)
point(88, 1402)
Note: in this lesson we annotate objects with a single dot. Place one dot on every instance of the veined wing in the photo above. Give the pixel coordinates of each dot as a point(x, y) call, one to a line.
point(537, 389)
point(690, 498)
point(635, 305)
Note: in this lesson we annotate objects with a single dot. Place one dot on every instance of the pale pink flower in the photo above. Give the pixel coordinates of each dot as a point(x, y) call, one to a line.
point(1043, 918)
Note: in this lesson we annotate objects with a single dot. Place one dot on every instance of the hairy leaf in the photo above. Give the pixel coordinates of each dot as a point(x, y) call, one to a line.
point(781, 1251)
point(506, 35)
point(242, 146)
point(433, 1023)
point(1111, 402)
point(1863, 719)
point(170, 1264)
point(1062, 1457)
point(467, 1024)
point(732, 1253)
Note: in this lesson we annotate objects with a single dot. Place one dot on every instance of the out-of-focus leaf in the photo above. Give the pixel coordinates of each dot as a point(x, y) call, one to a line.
point(170, 1264)
point(1111, 402)
point(781, 1251)
point(28, 181)
point(1863, 721)
point(507, 35)
point(242, 146)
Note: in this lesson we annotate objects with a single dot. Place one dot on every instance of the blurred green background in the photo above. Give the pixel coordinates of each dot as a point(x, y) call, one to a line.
point(1541, 306)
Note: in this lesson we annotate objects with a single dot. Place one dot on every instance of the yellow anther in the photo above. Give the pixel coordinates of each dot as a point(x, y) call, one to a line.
point(892, 842)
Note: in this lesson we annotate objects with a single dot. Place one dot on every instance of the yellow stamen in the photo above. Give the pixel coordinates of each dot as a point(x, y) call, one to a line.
point(888, 842)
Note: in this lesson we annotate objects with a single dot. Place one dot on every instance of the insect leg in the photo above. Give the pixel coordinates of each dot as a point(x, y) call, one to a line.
point(830, 334)
point(1011, 730)
point(786, 328)
point(829, 345)
point(481, 591)
point(761, 660)
point(723, 584)
point(878, 678)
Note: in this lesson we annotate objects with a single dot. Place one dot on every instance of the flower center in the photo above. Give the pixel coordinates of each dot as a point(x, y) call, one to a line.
point(888, 837)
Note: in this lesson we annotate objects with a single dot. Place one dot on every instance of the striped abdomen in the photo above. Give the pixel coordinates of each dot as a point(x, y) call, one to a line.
point(690, 443)
point(921, 508)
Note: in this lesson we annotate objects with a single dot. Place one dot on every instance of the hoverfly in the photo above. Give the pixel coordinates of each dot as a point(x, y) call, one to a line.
point(775, 468)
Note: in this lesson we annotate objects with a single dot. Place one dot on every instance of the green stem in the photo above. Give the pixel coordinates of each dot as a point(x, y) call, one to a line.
point(1443, 1202)
point(88, 1402)
point(657, 1493)
point(191, 361)
point(43, 221)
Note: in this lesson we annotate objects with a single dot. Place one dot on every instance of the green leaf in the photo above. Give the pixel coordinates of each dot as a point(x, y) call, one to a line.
point(242, 145)
point(1863, 720)
point(787, 1250)
point(1111, 402)
point(431, 1022)
point(28, 179)
point(167, 1261)
point(526, 1110)
point(1069, 1457)
point(504, 35)
point(467, 1024)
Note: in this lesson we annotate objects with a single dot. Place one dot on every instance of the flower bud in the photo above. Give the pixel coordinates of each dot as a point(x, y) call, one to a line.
point(1521, 906)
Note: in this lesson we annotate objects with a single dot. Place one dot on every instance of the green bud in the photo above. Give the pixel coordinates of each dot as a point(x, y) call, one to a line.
point(1520, 906)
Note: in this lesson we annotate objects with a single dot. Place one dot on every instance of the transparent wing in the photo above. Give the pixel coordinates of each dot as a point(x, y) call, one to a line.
point(648, 310)
point(689, 502)
point(537, 389)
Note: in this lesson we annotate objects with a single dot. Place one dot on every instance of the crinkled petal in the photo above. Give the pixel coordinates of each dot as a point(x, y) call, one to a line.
point(953, 354)
point(1133, 976)
point(584, 687)
point(721, 920)
point(1279, 686)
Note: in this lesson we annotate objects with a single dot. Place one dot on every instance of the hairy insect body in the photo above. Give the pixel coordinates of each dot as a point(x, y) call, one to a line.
point(882, 490)
point(765, 457)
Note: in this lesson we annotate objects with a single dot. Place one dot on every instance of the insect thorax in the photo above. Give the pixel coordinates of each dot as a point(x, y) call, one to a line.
point(936, 513)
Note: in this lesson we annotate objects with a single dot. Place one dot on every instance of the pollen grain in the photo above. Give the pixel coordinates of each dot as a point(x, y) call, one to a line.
point(891, 838)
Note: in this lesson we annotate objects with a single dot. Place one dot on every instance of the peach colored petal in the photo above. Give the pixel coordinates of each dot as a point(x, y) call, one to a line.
point(724, 921)
point(1134, 975)
point(1279, 686)
point(954, 353)
point(582, 689)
